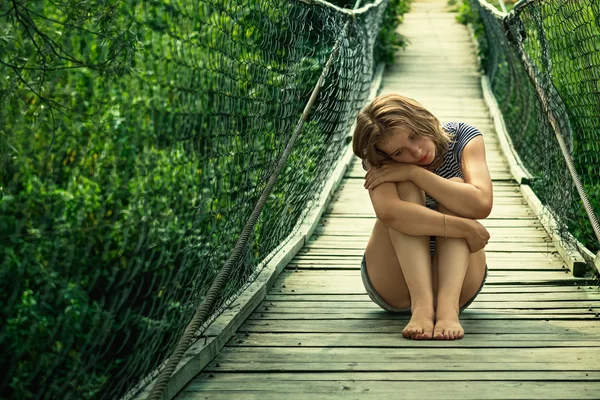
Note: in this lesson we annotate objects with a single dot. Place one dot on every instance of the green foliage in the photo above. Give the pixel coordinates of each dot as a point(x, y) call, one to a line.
point(389, 40)
point(135, 140)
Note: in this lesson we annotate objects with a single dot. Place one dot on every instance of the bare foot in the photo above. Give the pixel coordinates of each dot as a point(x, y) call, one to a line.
point(420, 326)
point(447, 325)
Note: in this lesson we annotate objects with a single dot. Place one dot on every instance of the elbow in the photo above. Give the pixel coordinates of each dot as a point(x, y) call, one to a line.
point(484, 210)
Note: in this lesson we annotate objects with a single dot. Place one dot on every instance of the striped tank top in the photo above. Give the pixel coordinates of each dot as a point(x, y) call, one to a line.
point(462, 134)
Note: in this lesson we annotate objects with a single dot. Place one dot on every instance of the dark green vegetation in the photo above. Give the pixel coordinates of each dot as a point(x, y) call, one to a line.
point(135, 139)
point(569, 33)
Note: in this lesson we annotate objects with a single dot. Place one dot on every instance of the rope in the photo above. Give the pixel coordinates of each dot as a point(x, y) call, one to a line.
point(355, 11)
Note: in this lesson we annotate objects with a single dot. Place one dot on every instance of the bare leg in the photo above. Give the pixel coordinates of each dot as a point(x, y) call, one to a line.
point(383, 268)
point(452, 258)
point(415, 261)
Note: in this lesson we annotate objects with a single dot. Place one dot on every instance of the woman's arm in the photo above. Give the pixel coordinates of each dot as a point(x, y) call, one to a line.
point(415, 219)
point(472, 199)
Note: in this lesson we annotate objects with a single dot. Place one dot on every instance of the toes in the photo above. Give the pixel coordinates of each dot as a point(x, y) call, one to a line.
point(417, 333)
point(427, 334)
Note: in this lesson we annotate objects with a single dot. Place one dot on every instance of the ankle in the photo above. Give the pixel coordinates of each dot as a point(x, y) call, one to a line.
point(422, 305)
point(447, 310)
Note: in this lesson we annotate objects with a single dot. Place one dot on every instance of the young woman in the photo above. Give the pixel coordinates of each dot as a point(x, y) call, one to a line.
point(429, 182)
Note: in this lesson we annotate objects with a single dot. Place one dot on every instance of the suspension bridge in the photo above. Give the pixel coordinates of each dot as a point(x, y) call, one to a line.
point(533, 332)
point(201, 237)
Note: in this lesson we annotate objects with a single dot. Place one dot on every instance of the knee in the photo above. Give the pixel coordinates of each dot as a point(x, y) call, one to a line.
point(408, 191)
point(443, 209)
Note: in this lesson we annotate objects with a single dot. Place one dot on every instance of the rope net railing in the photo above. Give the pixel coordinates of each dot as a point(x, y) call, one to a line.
point(135, 140)
point(543, 62)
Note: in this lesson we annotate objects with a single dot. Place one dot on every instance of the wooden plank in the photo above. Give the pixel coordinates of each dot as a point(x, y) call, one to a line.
point(381, 314)
point(339, 245)
point(483, 326)
point(326, 390)
point(506, 257)
point(391, 340)
point(479, 304)
point(358, 251)
point(343, 198)
point(331, 228)
point(496, 266)
point(404, 358)
point(499, 298)
point(356, 221)
point(495, 237)
point(474, 310)
point(508, 291)
point(354, 285)
point(491, 257)
point(359, 210)
point(405, 376)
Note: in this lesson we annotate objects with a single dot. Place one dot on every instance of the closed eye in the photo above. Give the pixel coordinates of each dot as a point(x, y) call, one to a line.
point(411, 137)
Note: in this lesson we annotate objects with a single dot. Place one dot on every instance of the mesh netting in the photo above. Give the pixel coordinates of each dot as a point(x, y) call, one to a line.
point(135, 140)
point(560, 42)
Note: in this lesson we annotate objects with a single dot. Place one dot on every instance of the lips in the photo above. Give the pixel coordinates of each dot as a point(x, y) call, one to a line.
point(424, 157)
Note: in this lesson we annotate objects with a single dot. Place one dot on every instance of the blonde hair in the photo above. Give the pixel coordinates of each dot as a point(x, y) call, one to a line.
point(376, 121)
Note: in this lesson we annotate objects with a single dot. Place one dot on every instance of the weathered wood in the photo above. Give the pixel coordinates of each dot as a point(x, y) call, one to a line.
point(403, 357)
point(358, 251)
point(326, 390)
point(240, 378)
point(482, 302)
point(511, 289)
point(391, 340)
point(484, 326)
point(569, 253)
point(383, 315)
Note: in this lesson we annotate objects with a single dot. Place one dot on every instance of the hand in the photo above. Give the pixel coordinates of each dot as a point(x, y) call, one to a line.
point(478, 236)
point(394, 172)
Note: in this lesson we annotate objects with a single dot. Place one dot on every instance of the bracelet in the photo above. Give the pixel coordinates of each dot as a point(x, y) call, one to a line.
point(445, 228)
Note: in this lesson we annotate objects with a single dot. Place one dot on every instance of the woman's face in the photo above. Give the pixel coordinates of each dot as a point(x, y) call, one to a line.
point(406, 147)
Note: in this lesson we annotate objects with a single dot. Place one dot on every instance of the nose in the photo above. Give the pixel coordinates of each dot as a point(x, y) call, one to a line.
point(417, 153)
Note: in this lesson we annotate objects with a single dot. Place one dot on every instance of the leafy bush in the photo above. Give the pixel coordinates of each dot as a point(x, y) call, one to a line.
point(135, 141)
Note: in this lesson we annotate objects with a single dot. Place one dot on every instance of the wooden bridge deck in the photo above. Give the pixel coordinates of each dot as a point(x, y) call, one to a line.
point(532, 332)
